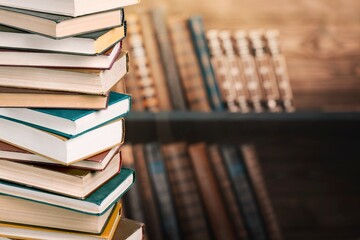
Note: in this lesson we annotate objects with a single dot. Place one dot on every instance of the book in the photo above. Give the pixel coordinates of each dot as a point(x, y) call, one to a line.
point(247, 63)
point(210, 192)
point(156, 67)
point(255, 174)
point(162, 192)
point(68, 122)
point(168, 59)
point(190, 75)
point(96, 203)
point(280, 68)
point(130, 230)
point(32, 98)
point(39, 233)
point(151, 209)
point(72, 8)
point(143, 74)
point(61, 149)
point(44, 59)
point(185, 192)
point(198, 35)
point(59, 26)
point(77, 183)
point(20, 211)
point(95, 163)
point(87, 44)
point(90, 81)
point(244, 193)
point(224, 182)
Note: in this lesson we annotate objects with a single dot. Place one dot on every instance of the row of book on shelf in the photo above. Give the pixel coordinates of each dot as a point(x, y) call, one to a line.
point(178, 65)
point(199, 191)
point(61, 174)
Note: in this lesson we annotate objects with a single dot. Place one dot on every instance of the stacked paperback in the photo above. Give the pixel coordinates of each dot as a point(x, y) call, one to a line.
point(61, 120)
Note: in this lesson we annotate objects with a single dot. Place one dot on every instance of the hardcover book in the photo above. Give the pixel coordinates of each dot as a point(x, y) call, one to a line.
point(58, 26)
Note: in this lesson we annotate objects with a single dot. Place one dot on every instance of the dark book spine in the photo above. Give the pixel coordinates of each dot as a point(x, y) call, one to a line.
point(245, 197)
point(152, 218)
point(258, 183)
point(202, 51)
point(188, 66)
point(185, 192)
point(215, 208)
point(228, 194)
point(168, 59)
point(160, 183)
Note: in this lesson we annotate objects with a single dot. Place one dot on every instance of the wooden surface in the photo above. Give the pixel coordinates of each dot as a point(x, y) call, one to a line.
point(320, 39)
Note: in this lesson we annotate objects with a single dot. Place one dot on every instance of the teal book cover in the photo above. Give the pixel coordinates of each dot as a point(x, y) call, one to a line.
point(74, 115)
point(196, 27)
point(97, 197)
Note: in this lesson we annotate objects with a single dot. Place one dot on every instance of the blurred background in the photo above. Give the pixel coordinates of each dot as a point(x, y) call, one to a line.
point(287, 168)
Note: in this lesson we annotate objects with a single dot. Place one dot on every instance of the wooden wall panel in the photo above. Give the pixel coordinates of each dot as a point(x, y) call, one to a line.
point(320, 39)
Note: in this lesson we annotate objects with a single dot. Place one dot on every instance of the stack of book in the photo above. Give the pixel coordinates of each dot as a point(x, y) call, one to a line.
point(61, 121)
point(178, 65)
point(200, 191)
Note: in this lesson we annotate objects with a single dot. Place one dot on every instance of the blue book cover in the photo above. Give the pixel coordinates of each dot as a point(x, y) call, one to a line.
point(198, 35)
point(243, 191)
point(72, 115)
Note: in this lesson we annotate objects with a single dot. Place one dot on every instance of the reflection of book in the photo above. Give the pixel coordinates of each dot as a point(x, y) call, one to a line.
point(59, 26)
point(17, 231)
point(86, 44)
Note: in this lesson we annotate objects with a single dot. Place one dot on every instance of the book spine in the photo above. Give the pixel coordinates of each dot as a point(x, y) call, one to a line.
point(227, 192)
point(160, 183)
point(143, 75)
point(168, 59)
point(219, 64)
point(152, 217)
point(247, 63)
point(210, 192)
point(185, 192)
point(245, 197)
point(258, 183)
point(280, 68)
point(235, 77)
point(157, 69)
point(198, 35)
point(189, 70)
point(265, 71)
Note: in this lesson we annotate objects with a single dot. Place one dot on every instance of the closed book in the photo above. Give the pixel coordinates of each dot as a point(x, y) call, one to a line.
point(190, 75)
point(77, 183)
point(18, 231)
point(198, 35)
point(59, 148)
point(90, 81)
point(67, 122)
point(151, 209)
point(20, 211)
point(87, 44)
point(59, 26)
point(189, 207)
point(162, 192)
point(210, 192)
point(130, 230)
point(168, 59)
point(95, 163)
point(43, 59)
point(72, 8)
point(244, 192)
point(97, 203)
point(228, 193)
point(254, 171)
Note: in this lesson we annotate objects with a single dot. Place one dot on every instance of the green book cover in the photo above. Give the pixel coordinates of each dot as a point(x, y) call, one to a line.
point(97, 197)
point(73, 115)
